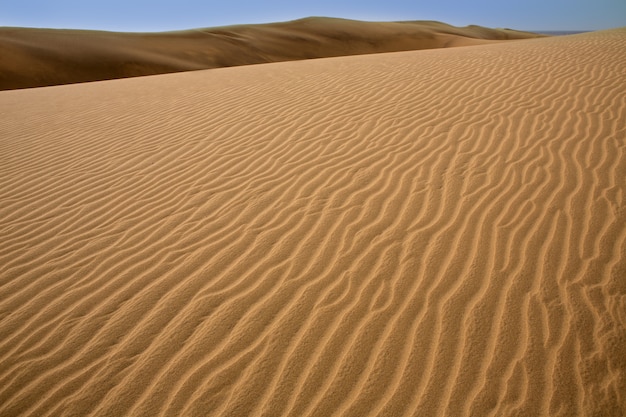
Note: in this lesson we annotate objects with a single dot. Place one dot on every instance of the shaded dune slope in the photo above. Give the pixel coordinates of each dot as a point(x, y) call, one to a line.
point(41, 57)
point(418, 233)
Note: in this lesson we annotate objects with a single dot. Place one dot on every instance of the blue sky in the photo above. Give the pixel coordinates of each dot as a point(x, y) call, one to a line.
point(160, 15)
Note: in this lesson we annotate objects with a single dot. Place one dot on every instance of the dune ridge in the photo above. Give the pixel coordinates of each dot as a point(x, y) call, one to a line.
point(43, 57)
point(437, 232)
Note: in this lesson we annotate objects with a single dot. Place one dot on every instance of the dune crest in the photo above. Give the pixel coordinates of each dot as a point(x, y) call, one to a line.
point(434, 233)
point(42, 57)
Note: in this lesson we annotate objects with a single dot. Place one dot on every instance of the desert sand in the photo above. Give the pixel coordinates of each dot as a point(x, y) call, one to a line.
point(424, 233)
point(42, 57)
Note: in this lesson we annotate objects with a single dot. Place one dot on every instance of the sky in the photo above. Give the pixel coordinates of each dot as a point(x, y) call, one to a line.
point(165, 15)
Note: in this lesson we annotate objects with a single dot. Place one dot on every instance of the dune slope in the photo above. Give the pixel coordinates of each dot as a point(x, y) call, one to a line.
point(41, 57)
point(431, 233)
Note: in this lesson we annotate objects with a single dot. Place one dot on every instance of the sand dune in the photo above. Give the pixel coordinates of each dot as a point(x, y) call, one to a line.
point(42, 57)
point(425, 233)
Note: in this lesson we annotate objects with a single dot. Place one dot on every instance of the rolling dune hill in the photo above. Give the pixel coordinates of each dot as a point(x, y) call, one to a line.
point(423, 233)
point(42, 57)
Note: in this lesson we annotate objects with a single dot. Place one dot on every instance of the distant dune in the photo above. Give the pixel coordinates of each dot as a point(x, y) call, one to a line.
point(41, 57)
point(422, 233)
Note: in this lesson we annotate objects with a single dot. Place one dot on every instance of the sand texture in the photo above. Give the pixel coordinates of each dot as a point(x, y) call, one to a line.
point(41, 57)
point(425, 233)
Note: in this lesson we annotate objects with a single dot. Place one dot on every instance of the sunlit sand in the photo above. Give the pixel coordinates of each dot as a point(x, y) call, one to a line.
point(425, 233)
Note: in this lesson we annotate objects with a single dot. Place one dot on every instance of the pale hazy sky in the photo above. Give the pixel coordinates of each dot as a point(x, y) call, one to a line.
point(159, 15)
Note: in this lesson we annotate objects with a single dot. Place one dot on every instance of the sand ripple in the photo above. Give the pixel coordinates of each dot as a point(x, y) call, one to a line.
point(418, 233)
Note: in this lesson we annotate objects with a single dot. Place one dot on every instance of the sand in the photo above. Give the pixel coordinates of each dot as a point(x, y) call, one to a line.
point(42, 57)
point(428, 233)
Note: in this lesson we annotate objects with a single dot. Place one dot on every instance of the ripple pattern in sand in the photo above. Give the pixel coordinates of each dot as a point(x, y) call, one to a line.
point(421, 233)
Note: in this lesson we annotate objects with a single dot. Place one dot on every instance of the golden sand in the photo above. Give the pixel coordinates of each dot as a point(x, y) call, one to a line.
point(429, 233)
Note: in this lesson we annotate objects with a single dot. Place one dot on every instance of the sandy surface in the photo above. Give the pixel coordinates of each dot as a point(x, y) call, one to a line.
point(41, 57)
point(425, 233)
